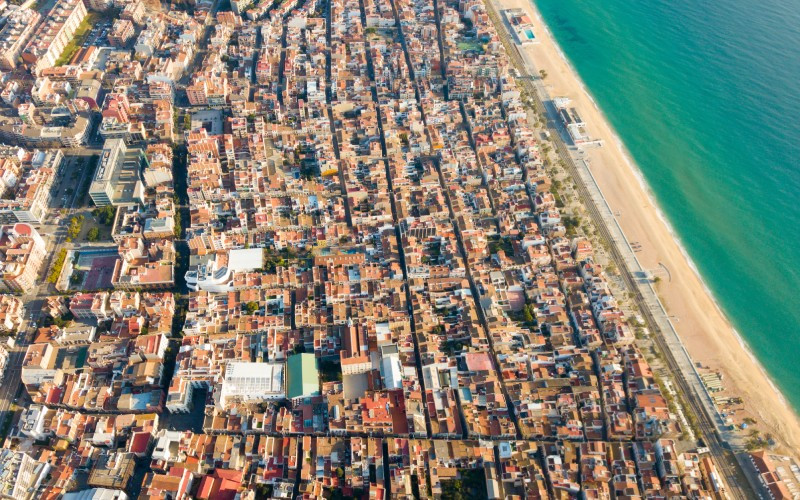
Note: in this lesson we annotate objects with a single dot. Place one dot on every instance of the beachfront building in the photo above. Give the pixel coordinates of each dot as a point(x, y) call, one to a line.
point(574, 124)
point(774, 475)
point(521, 26)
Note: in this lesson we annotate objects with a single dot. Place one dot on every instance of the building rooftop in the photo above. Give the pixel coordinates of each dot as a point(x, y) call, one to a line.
point(303, 375)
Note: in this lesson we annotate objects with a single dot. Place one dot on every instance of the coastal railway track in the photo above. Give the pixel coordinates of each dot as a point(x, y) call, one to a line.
point(736, 485)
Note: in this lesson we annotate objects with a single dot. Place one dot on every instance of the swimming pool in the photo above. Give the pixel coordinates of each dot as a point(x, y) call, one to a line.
point(529, 34)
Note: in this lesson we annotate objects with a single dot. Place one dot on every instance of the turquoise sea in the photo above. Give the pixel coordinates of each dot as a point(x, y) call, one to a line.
point(706, 97)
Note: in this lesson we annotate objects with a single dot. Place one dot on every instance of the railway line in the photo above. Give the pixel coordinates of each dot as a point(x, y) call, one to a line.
point(726, 462)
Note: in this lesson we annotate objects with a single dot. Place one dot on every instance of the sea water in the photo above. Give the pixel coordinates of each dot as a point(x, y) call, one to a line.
point(706, 97)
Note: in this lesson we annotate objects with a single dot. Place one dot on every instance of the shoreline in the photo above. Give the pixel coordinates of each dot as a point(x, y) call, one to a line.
point(706, 333)
point(628, 157)
point(619, 143)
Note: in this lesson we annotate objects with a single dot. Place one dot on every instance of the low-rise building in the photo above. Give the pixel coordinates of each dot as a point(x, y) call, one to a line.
point(302, 376)
point(112, 470)
point(12, 313)
point(90, 306)
point(34, 422)
point(159, 166)
point(66, 126)
point(144, 265)
point(157, 228)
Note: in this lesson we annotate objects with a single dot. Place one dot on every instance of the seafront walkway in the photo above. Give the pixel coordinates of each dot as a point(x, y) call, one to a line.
point(683, 369)
point(733, 467)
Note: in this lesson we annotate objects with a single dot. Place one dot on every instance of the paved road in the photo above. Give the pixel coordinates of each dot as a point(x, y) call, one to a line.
point(395, 218)
point(683, 370)
point(10, 385)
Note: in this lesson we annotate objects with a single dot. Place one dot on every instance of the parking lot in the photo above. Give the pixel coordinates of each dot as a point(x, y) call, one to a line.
point(97, 36)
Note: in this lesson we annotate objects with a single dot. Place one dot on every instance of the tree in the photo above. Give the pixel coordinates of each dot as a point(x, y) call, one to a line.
point(55, 271)
point(74, 229)
point(93, 234)
point(251, 307)
point(60, 322)
point(104, 214)
point(263, 491)
point(543, 74)
point(177, 228)
point(526, 313)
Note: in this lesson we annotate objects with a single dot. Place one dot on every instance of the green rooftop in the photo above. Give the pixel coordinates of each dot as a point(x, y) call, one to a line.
point(303, 376)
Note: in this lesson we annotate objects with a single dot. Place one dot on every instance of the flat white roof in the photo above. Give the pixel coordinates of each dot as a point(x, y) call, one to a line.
point(252, 380)
point(245, 259)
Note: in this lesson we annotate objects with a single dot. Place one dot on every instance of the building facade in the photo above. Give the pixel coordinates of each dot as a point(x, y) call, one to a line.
point(52, 36)
point(22, 252)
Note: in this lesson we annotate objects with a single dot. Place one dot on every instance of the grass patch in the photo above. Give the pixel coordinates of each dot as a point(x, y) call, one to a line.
point(475, 46)
point(285, 258)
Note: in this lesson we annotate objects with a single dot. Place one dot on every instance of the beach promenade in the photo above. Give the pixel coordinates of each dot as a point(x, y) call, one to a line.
point(681, 311)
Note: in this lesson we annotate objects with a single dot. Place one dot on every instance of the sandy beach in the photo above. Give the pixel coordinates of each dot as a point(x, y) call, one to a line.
point(702, 326)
